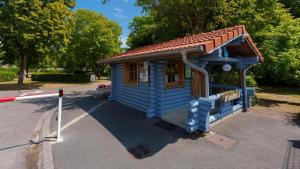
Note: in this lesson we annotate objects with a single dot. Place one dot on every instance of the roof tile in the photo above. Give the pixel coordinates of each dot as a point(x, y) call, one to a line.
point(209, 40)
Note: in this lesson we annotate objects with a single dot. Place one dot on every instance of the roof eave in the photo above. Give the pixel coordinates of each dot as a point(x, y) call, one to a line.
point(153, 55)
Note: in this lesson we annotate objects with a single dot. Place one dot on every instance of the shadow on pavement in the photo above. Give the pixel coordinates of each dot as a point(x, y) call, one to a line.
point(74, 100)
point(294, 119)
point(132, 129)
point(128, 125)
point(270, 102)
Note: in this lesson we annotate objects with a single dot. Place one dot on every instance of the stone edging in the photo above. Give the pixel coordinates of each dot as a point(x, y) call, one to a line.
point(45, 154)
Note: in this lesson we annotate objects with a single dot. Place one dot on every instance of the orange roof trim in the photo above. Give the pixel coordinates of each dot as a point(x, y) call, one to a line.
point(209, 41)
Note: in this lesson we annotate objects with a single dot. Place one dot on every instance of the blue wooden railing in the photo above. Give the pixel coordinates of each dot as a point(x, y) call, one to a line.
point(200, 110)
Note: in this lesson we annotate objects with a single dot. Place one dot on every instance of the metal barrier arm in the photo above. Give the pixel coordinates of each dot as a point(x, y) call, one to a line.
point(35, 96)
point(27, 96)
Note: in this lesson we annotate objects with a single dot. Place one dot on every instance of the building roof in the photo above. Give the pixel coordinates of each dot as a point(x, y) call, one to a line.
point(209, 40)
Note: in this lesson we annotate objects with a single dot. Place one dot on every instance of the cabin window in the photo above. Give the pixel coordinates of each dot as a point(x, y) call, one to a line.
point(130, 72)
point(174, 74)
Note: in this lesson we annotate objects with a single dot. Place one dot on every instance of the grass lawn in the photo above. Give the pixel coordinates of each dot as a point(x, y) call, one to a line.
point(28, 84)
point(292, 94)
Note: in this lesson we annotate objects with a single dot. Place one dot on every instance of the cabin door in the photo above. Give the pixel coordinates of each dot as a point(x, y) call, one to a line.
point(198, 84)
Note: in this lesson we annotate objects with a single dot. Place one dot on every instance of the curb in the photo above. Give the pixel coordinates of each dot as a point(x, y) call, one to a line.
point(45, 155)
point(227, 117)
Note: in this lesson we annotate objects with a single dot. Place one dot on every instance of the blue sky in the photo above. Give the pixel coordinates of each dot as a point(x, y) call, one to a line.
point(121, 11)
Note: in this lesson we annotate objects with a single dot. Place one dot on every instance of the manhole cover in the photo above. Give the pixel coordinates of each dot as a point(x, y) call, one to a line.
point(139, 151)
point(221, 140)
point(165, 125)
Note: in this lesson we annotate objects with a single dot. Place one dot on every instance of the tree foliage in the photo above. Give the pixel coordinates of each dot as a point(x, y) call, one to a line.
point(176, 18)
point(277, 34)
point(293, 5)
point(144, 31)
point(93, 37)
point(271, 25)
point(32, 30)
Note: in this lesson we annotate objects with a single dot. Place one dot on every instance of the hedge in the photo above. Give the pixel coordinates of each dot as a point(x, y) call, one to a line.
point(48, 77)
point(13, 69)
point(7, 76)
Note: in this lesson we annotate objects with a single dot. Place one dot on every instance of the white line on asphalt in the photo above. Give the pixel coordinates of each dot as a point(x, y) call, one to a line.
point(90, 111)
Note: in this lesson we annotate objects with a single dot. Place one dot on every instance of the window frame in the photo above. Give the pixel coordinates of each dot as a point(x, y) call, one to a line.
point(180, 73)
point(128, 72)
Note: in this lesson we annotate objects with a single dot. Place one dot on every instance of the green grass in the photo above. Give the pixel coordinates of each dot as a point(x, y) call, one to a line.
point(279, 94)
point(280, 90)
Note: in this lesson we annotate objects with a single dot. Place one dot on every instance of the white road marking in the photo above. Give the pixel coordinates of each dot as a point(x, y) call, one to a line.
point(90, 111)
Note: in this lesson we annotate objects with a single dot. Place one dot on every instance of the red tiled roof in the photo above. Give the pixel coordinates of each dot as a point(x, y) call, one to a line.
point(209, 40)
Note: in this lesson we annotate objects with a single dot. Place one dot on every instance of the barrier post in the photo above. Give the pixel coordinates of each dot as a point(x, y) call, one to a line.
point(61, 93)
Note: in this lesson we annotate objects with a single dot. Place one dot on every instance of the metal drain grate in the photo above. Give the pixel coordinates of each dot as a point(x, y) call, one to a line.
point(139, 151)
point(165, 125)
point(292, 155)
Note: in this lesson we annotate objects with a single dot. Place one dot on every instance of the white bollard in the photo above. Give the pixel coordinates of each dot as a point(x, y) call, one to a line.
point(59, 138)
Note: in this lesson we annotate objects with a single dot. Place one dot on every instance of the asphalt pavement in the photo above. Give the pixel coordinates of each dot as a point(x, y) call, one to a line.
point(106, 137)
point(18, 121)
point(99, 134)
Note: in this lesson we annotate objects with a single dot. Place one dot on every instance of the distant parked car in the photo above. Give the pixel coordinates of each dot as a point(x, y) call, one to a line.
point(102, 91)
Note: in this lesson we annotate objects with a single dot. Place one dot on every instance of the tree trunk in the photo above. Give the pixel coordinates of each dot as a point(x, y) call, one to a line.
point(27, 71)
point(22, 65)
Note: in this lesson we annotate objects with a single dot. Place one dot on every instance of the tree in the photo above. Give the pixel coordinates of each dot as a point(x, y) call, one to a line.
point(34, 28)
point(277, 34)
point(68, 3)
point(293, 5)
point(93, 37)
point(175, 19)
point(271, 25)
point(281, 46)
point(143, 31)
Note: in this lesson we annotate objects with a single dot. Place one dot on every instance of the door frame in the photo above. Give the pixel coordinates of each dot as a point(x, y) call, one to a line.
point(198, 84)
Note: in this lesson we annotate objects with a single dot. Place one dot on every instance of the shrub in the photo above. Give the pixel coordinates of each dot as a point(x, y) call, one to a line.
point(232, 78)
point(7, 76)
point(49, 77)
point(13, 69)
point(55, 71)
point(250, 81)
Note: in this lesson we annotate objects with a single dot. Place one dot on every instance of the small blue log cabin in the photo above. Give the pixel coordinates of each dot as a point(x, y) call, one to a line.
point(172, 80)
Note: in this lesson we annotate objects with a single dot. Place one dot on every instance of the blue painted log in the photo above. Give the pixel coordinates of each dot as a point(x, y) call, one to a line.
point(152, 110)
point(199, 120)
point(136, 96)
point(150, 97)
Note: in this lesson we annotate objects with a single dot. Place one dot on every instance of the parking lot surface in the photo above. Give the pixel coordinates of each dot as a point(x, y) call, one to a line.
point(18, 121)
point(106, 137)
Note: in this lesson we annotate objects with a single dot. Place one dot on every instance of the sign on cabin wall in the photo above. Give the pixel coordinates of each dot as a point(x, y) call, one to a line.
point(230, 95)
point(143, 72)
